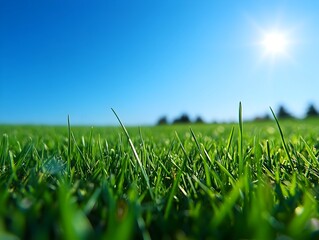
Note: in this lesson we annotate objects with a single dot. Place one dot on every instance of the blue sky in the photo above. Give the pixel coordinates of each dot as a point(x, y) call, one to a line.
point(148, 59)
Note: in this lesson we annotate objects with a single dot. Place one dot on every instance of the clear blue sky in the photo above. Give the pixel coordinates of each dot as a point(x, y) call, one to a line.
point(148, 59)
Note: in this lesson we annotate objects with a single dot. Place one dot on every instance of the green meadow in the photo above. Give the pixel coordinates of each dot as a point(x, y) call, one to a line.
point(244, 180)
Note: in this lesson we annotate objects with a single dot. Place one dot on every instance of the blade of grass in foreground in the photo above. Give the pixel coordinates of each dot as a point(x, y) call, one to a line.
point(240, 141)
point(74, 222)
point(206, 169)
point(222, 168)
point(282, 138)
point(4, 146)
point(176, 182)
point(69, 144)
point(227, 206)
point(135, 153)
point(230, 139)
point(310, 152)
point(121, 216)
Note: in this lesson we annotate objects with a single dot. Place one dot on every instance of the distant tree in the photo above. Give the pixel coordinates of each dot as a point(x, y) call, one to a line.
point(262, 118)
point(182, 119)
point(199, 120)
point(311, 111)
point(283, 113)
point(162, 121)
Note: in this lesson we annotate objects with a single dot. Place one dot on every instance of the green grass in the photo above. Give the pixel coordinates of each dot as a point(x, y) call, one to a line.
point(220, 181)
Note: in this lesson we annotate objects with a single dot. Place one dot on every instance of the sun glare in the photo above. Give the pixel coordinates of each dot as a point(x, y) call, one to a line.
point(275, 43)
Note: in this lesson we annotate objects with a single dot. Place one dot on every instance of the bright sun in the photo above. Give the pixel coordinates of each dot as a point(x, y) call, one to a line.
point(275, 43)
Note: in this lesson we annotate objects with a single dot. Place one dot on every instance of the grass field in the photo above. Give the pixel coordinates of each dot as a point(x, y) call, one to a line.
point(218, 181)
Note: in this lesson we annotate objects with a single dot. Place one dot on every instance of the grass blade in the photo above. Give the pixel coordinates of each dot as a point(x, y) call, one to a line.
point(176, 182)
point(206, 169)
point(310, 152)
point(135, 153)
point(69, 144)
point(222, 168)
point(282, 138)
point(228, 204)
point(230, 139)
point(240, 141)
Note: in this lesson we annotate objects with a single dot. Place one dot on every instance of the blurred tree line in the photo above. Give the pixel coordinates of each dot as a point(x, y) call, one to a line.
point(184, 118)
point(282, 113)
point(310, 112)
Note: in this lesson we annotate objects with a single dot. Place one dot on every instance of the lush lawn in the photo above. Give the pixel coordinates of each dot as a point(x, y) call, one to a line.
point(216, 181)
